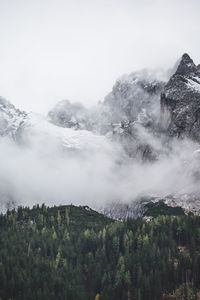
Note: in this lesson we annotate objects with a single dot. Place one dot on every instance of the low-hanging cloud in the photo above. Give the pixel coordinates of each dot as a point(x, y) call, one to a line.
point(29, 176)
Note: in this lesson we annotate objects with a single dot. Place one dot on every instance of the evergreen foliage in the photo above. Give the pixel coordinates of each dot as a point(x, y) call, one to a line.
point(75, 253)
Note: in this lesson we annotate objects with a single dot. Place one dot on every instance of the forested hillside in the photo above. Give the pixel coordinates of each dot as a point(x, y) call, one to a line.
point(75, 253)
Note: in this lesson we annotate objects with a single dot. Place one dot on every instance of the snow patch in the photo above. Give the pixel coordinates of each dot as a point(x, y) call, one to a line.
point(194, 83)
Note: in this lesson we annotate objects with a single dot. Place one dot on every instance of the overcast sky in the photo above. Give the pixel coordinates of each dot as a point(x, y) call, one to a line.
point(75, 49)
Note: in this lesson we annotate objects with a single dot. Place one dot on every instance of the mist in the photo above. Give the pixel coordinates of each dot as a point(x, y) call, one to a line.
point(32, 174)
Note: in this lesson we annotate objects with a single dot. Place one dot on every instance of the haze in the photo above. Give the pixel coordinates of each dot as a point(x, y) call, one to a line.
point(75, 49)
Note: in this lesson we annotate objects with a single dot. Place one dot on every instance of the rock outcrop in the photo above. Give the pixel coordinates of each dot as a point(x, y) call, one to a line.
point(180, 101)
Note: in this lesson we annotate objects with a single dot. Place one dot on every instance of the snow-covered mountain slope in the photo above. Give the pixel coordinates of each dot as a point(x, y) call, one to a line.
point(35, 130)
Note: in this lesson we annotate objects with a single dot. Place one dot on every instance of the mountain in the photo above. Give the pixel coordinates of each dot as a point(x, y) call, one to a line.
point(180, 101)
point(142, 110)
point(147, 127)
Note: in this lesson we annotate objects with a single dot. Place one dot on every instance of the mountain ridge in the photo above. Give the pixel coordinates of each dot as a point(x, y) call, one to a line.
point(143, 121)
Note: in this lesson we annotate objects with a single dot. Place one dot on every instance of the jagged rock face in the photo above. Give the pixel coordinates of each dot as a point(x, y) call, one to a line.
point(134, 97)
point(11, 118)
point(133, 106)
point(180, 101)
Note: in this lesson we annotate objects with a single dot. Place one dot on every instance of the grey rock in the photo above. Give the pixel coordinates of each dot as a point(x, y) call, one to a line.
point(180, 101)
point(133, 109)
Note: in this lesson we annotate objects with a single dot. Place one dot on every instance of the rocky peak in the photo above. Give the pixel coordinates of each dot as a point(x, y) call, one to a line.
point(186, 66)
point(180, 101)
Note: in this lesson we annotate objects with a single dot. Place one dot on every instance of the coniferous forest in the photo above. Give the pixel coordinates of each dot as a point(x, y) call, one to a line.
point(75, 253)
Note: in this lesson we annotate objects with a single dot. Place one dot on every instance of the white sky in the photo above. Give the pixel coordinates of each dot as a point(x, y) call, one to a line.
point(75, 49)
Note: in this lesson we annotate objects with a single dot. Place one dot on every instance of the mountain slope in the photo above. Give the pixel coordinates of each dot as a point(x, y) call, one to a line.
point(35, 130)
